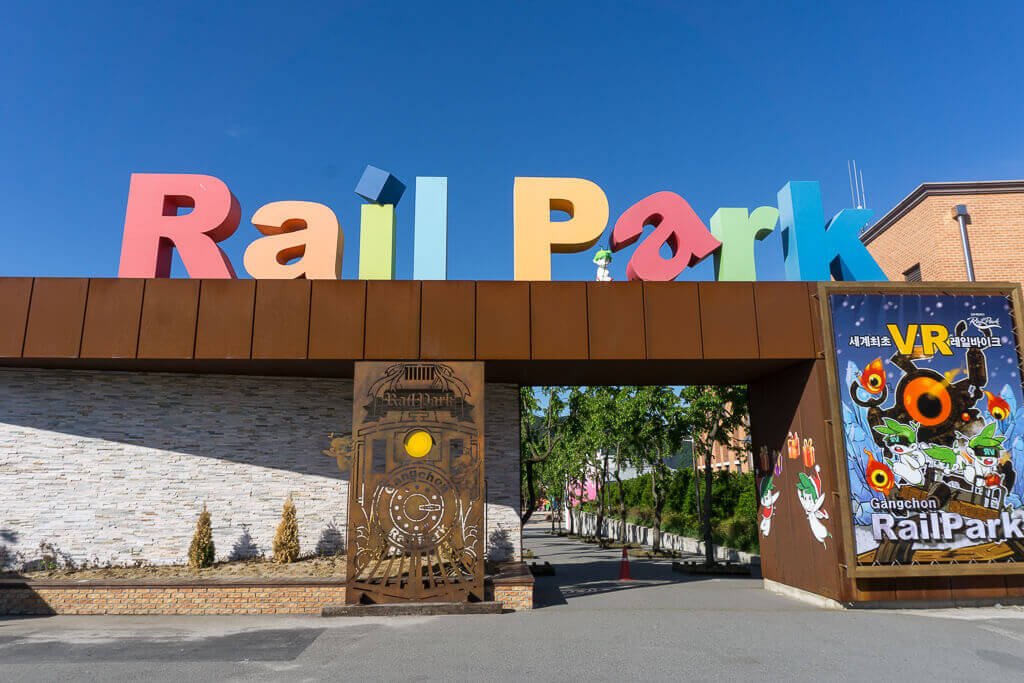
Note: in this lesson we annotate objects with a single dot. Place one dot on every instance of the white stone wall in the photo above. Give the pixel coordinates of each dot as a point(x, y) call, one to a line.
point(501, 470)
point(113, 468)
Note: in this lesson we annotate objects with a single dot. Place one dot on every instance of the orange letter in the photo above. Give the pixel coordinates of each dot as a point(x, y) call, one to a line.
point(153, 228)
point(291, 227)
point(537, 236)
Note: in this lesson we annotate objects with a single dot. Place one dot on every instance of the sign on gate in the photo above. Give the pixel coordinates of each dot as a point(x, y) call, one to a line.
point(933, 430)
point(416, 496)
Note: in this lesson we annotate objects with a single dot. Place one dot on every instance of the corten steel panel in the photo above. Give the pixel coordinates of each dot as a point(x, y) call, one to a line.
point(336, 319)
point(169, 310)
point(224, 329)
point(783, 320)
point(502, 320)
point(15, 293)
point(933, 588)
point(774, 414)
point(672, 319)
point(615, 315)
point(871, 590)
point(727, 320)
point(558, 320)
point(764, 412)
point(112, 316)
point(816, 327)
point(824, 558)
point(392, 320)
point(966, 588)
point(448, 320)
point(281, 323)
point(55, 318)
point(1014, 585)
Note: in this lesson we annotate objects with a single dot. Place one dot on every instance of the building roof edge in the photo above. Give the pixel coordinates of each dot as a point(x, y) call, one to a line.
point(938, 189)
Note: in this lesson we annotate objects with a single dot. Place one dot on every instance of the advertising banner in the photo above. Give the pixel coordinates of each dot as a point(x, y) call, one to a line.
point(933, 427)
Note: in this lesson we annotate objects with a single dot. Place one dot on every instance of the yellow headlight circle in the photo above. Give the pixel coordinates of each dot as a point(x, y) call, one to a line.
point(418, 443)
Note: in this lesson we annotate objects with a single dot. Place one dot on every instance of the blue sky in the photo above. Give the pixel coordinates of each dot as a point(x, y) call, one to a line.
point(292, 101)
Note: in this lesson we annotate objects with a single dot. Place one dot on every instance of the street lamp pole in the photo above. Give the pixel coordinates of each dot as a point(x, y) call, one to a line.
point(960, 213)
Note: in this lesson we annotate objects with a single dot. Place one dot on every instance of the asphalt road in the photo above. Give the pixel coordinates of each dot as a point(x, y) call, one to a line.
point(661, 626)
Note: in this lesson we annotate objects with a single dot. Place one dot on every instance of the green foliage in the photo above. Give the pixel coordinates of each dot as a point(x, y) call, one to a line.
point(201, 550)
point(567, 435)
point(734, 506)
point(286, 539)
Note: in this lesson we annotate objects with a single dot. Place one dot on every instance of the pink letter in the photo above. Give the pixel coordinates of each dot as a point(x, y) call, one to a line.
point(675, 224)
point(152, 226)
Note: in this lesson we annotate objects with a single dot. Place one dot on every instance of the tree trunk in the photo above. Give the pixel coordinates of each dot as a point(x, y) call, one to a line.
point(622, 498)
point(600, 498)
point(568, 507)
point(531, 495)
point(658, 505)
point(707, 447)
point(709, 550)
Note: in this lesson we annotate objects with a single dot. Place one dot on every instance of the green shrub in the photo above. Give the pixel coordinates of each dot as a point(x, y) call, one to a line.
point(733, 506)
point(201, 551)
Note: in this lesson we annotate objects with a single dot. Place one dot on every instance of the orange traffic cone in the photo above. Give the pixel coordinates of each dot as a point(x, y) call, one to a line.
point(624, 566)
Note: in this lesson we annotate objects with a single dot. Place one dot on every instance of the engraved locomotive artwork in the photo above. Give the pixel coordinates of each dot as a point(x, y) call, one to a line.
point(416, 508)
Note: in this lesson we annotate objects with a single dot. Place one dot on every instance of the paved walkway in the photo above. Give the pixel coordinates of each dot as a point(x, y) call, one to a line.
point(663, 626)
point(586, 570)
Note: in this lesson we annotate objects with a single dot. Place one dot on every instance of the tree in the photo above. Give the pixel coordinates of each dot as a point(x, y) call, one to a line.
point(712, 415)
point(657, 434)
point(541, 430)
point(286, 539)
point(201, 550)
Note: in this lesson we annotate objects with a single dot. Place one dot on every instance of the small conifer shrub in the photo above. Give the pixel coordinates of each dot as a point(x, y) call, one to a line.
point(286, 540)
point(201, 551)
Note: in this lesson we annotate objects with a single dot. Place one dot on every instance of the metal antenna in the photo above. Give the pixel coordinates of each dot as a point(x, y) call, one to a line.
point(863, 194)
point(856, 185)
point(849, 174)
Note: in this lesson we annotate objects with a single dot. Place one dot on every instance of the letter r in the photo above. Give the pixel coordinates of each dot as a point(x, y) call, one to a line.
point(153, 228)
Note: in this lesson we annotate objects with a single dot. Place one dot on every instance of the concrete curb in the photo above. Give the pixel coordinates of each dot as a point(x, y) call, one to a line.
point(421, 609)
point(801, 595)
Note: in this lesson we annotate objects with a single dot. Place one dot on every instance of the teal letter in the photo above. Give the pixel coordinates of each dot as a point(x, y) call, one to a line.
point(737, 230)
point(814, 250)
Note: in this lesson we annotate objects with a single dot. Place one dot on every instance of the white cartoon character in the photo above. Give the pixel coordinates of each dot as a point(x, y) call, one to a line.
point(808, 491)
point(986, 448)
point(769, 494)
point(603, 259)
point(905, 454)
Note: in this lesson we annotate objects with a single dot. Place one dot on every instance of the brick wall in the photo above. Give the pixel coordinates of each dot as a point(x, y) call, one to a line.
point(113, 468)
point(294, 597)
point(518, 597)
point(169, 599)
point(929, 235)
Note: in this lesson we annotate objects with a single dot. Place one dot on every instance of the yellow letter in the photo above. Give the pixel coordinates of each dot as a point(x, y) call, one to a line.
point(537, 236)
point(905, 345)
point(935, 336)
point(304, 230)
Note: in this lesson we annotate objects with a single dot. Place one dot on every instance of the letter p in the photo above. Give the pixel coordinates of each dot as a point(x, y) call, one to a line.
point(537, 236)
point(153, 228)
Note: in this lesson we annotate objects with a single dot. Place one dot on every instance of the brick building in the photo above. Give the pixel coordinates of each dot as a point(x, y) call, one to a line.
point(725, 459)
point(919, 239)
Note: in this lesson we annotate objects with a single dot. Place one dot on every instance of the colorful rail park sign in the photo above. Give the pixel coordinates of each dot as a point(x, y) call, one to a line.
point(305, 239)
point(933, 430)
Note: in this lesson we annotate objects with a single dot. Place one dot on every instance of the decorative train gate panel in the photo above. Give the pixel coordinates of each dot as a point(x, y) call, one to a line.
point(416, 517)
